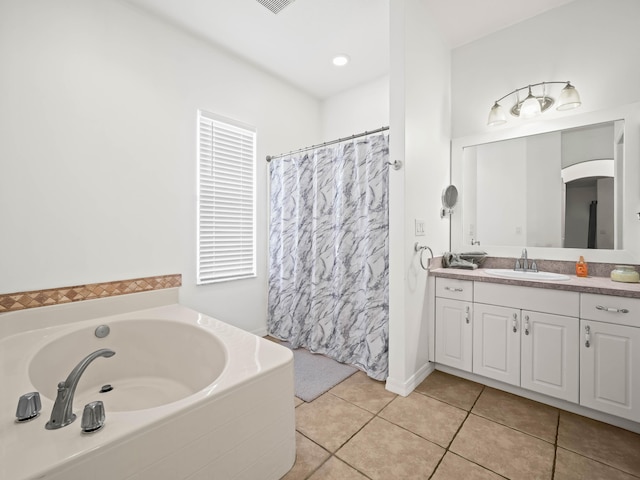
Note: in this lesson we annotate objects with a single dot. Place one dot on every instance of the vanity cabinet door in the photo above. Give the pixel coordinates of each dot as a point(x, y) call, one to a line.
point(496, 342)
point(610, 368)
point(453, 333)
point(550, 354)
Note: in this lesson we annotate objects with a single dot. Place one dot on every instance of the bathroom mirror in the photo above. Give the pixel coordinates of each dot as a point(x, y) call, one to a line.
point(558, 187)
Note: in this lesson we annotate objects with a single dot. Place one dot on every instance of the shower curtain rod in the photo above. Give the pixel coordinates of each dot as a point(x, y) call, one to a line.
point(381, 129)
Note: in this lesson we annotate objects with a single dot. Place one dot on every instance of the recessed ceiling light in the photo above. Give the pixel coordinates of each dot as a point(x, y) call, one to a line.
point(341, 60)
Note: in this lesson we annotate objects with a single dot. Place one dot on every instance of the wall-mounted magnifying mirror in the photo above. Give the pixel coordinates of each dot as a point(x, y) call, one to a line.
point(449, 200)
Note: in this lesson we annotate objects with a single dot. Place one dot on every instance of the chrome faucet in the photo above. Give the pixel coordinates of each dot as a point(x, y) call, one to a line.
point(62, 413)
point(522, 263)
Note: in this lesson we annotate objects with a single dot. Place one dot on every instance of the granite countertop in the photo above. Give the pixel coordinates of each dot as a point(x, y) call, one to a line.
point(599, 285)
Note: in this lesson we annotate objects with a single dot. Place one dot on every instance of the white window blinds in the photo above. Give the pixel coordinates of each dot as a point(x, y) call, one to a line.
point(226, 199)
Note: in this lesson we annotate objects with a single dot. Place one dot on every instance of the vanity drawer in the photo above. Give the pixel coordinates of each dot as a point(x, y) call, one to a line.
point(455, 289)
point(610, 309)
point(543, 300)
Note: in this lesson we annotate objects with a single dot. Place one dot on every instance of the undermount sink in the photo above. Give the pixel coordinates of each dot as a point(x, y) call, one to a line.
point(520, 275)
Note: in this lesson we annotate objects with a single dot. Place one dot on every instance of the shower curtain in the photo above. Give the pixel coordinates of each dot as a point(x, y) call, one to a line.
point(329, 252)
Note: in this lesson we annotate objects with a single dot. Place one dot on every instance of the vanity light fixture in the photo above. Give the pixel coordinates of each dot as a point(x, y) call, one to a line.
point(534, 103)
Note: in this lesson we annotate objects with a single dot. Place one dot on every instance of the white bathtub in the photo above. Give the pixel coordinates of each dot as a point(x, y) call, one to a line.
point(193, 398)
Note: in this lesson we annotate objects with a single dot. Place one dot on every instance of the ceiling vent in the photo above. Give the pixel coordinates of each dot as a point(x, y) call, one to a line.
point(275, 5)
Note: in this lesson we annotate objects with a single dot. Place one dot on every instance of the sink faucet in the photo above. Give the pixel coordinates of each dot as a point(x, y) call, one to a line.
point(522, 263)
point(62, 413)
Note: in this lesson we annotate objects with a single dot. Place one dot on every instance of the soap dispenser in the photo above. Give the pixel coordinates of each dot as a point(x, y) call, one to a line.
point(582, 269)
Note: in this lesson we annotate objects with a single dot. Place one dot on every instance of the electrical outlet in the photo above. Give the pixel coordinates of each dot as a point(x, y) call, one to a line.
point(419, 228)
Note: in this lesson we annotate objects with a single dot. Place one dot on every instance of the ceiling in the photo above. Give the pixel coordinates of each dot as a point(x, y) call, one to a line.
point(299, 42)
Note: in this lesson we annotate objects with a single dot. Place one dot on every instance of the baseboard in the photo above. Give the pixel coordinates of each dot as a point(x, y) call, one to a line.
point(408, 386)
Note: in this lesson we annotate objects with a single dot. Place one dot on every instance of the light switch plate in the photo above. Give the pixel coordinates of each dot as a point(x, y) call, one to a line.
point(419, 228)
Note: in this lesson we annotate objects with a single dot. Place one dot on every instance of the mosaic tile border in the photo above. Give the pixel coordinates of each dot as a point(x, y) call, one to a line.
point(55, 296)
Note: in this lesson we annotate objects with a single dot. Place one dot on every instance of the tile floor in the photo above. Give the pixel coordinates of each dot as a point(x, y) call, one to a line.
point(450, 429)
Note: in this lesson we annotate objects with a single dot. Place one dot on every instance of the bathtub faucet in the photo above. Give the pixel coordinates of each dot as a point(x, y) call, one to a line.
point(62, 413)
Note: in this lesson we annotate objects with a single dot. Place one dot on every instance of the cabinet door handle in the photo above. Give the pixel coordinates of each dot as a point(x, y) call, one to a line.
point(466, 314)
point(514, 322)
point(612, 309)
point(451, 289)
point(526, 325)
point(587, 336)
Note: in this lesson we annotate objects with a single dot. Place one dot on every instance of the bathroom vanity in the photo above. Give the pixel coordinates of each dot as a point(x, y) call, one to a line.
point(566, 343)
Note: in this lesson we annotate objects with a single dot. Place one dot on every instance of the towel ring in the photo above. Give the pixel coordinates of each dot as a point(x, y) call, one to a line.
point(421, 248)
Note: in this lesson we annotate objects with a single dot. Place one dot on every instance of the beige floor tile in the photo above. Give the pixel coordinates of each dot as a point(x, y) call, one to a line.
point(571, 466)
point(600, 441)
point(335, 469)
point(503, 450)
point(454, 467)
point(450, 389)
point(425, 416)
point(384, 451)
point(520, 413)
point(297, 401)
point(309, 456)
point(364, 392)
point(330, 421)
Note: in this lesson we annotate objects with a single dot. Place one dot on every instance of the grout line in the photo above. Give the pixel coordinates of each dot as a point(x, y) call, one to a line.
point(333, 454)
point(446, 450)
point(598, 461)
point(513, 428)
point(555, 448)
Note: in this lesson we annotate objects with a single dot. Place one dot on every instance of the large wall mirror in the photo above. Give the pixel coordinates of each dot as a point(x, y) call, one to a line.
point(560, 189)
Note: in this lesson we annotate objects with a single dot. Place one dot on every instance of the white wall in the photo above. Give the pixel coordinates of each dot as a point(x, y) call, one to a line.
point(606, 227)
point(545, 191)
point(589, 143)
point(501, 193)
point(98, 148)
point(359, 109)
point(419, 117)
point(593, 43)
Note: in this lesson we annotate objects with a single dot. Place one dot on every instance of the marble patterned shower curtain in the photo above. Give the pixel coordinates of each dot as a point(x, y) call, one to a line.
point(329, 252)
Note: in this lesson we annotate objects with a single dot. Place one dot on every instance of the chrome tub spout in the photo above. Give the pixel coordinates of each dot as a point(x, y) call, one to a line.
point(62, 413)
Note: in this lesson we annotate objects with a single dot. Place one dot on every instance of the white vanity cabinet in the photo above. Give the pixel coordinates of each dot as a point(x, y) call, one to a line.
point(453, 323)
point(496, 342)
point(583, 348)
point(610, 355)
point(550, 355)
point(527, 337)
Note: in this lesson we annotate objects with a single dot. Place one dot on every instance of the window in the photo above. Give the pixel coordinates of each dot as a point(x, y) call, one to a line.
point(226, 199)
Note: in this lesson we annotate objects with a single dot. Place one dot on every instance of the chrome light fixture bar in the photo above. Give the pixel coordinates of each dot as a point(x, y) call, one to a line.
point(534, 104)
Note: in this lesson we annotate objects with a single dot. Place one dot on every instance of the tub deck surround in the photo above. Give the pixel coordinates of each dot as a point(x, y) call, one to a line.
point(232, 415)
point(602, 285)
point(10, 302)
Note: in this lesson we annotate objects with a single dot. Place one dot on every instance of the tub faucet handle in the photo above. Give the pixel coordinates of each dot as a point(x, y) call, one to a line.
point(92, 417)
point(29, 407)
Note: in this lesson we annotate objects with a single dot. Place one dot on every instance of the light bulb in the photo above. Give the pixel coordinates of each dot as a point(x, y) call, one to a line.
point(341, 60)
point(530, 107)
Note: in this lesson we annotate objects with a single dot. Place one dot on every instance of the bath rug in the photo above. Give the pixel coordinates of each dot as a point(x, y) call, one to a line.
point(316, 374)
